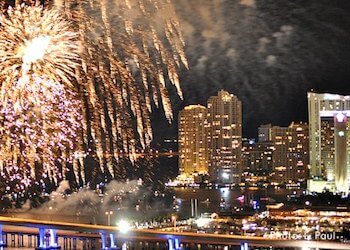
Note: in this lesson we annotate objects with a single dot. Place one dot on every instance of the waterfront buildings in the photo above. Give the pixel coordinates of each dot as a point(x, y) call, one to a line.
point(225, 138)
point(290, 157)
point(210, 139)
point(193, 140)
point(264, 133)
point(329, 141)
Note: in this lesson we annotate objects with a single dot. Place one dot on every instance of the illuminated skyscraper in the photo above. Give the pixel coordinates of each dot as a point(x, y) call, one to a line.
point(330, 138)
point(193, 144)
point(225, 138)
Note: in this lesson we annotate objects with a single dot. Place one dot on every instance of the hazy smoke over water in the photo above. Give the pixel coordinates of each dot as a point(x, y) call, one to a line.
point(124, 200)
point(87, 205)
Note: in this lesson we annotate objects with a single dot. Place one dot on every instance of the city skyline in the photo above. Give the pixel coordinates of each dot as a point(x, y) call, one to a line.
point(317, 151)
point(174, 124)
point(252, 133)
point(210, 144)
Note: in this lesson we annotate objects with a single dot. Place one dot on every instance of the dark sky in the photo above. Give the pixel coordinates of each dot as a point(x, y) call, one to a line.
point(267, 52)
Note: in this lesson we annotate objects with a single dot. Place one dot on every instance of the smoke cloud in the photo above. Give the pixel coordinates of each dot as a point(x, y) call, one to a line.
point(124, 200)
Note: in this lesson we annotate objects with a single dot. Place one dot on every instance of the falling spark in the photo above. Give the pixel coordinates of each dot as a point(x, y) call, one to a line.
point(126, 61)
point(41, 131)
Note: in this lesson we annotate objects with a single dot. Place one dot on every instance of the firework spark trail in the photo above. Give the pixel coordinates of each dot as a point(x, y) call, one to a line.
point(123, 70)
point(120, 70)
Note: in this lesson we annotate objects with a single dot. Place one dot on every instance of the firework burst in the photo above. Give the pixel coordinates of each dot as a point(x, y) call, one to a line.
point(40, 112)
point(127, 53)
point(35, 42)
point(42, 133)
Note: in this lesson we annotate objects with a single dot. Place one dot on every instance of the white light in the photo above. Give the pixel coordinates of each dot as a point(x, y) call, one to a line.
point(341, 133)
point(331, 97)
point(340, 117)
point(36, 49)
point(124, 226)
point(203, 222)
point(226, 176)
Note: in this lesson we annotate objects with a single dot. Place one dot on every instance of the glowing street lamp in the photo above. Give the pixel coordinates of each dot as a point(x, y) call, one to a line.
point(203, 222)
point(173, 219)
point(109, 214)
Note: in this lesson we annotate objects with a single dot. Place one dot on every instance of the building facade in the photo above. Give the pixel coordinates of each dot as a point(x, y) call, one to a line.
point(193, 140)
point(257, 158)
point(330, 139)
point(225, 138)
point(291, 153)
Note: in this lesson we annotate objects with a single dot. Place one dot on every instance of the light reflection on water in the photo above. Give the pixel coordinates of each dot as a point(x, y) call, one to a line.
point(209, 200)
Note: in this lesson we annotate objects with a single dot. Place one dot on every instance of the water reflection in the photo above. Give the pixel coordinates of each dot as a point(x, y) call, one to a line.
point(215, 200)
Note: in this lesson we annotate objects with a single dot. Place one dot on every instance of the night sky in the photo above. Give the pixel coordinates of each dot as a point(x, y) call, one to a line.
point(267, 52)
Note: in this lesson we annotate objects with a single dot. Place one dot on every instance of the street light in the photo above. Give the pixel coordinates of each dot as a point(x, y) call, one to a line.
point(108, 214)
point(203, 222)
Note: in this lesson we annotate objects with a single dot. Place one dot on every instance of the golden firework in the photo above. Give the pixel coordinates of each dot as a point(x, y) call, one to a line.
point(116, 57)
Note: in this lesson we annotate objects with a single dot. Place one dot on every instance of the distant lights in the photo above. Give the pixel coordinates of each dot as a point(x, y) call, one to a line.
point(225, 176)
point(203, 222)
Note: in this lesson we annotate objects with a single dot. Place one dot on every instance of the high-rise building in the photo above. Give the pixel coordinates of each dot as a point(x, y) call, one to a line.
point(193, 146)
point(330, 138)
point(225, 138)
point(291, 152)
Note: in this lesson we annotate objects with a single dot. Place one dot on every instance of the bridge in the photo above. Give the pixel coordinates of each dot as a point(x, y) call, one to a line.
point(45, 234)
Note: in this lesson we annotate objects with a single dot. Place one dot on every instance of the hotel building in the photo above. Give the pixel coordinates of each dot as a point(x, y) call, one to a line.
point(329, 142)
